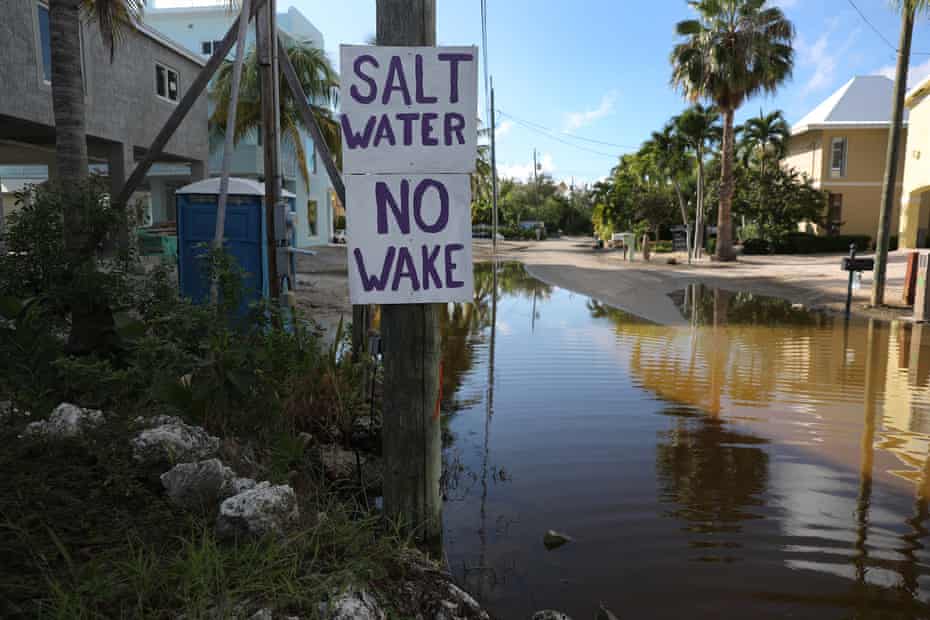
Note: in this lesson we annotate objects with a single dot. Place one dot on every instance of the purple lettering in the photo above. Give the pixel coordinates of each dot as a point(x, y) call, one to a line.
point(454, 60)
point(395, 73)
point(408, 118)
point(357, 140)
point(443, 217)
point(421, 98)
point(454, 124)
point(405, 269)
point(372, 86)
point(429, 266)
point(372, 282)
point(384, 199)
point(450, 266)
point(385, 132)
point(426, 128)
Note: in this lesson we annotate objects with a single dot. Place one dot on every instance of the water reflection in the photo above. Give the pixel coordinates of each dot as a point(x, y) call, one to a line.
point(787, 443)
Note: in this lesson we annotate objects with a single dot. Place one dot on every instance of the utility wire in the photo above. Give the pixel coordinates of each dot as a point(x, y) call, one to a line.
point(558, 139)
point(894, 48)
point(547, 130)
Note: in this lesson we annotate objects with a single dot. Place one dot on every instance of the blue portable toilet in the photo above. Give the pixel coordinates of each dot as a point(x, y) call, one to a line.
point(245, 238)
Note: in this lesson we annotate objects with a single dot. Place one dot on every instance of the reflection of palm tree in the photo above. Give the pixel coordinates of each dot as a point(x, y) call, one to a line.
point(714, 474)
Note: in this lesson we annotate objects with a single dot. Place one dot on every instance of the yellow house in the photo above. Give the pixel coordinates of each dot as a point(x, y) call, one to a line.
point(841, 146)
point(915, 202)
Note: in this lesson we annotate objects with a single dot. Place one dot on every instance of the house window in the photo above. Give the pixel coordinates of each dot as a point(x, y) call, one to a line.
point(208, 47)
point(838, 157)
point(45, 42)
point(167, 83)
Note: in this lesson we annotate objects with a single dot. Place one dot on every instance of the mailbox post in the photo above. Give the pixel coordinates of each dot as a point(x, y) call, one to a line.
point(855, 265)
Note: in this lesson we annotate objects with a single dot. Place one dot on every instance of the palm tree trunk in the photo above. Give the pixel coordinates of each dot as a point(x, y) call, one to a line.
point(91, 319)
point(724, 216)
point(684, 219)
point(891, 162)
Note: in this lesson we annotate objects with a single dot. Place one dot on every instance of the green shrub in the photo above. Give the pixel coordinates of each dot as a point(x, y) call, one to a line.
point(805, 243)
point(711, 247)
point(756, 247)
point(662, 247)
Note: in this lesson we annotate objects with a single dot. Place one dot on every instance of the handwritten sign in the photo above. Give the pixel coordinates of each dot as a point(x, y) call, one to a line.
point(409, 109)
point(409, 126)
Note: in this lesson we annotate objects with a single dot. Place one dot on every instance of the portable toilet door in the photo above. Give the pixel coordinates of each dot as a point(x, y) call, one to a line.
point(245, 239)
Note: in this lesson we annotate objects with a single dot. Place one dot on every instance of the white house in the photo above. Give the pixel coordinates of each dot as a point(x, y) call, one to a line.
point(199, 28)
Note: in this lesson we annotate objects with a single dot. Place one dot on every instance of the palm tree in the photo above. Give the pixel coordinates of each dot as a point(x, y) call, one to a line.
point(765, 137)
point(733, 51)
point(319, 82)
point(91, 318)
point(909, 10)
point(699, 129)
point(667, 150)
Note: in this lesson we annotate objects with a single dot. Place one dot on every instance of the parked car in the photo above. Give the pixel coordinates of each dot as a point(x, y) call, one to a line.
point(339, 236)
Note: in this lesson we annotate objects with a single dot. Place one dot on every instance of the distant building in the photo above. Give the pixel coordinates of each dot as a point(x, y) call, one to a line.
point(841, 146)
point(199, 29)
point(127, 99)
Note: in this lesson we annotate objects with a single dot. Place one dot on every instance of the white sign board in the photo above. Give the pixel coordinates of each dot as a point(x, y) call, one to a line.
point(409, 238)
point(409, 109)
point(409, 142)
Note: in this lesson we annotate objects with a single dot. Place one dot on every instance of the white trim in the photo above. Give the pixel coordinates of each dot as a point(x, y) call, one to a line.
point(839, 173)
point(802, 129)
point(828, 184)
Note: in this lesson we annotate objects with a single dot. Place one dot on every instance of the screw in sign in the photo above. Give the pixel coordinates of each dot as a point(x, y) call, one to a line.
point(409, 144)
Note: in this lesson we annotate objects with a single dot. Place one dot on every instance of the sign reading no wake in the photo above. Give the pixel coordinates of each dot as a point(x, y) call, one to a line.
point(409, 142)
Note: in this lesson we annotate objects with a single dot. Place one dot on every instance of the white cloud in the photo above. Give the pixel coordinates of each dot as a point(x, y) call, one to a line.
point(503, 129)
point(822, 57)
point(522, 172)
point(915, 75)
point(577, 120)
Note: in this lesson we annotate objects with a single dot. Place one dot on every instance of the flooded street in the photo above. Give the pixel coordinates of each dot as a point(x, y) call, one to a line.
point(760, 460)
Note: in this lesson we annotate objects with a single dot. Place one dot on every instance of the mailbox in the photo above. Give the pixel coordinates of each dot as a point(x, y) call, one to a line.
point(858, 264)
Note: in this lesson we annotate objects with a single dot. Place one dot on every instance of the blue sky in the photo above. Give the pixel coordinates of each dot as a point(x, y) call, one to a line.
point(598, 69)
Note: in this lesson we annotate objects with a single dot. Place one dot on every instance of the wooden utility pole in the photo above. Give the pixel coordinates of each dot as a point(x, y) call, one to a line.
point(891, 160)
point(493, 175)
point(265, 35)
point(412, 441)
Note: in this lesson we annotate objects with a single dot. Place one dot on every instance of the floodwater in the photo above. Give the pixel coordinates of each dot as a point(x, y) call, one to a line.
point(763, 462)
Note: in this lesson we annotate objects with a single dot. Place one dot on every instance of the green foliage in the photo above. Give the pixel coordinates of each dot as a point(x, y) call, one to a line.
point(804, 243)
point(552, 203)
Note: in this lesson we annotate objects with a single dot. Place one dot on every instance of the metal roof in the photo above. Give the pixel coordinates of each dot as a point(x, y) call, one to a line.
point(237, 187)
point(863, 102)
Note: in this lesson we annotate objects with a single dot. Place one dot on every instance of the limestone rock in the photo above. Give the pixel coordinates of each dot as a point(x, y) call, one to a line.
point(459, 605)
point(554, 540)
point(352, 605)
point(605, 614)
point(66, 421)
point(157, 420)
point(262, 510)
point(549, 614)
point(338, 463)
point(173, 443)
point(201, 484)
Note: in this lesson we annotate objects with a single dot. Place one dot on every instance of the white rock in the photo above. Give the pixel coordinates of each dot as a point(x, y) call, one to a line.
point(157, 420)
point(338, 464)
point(66, 420)
point(173, 443)
point(262, 614)
point(262, 510)
point(549, 614)
point(201, 484)
point(459, 605)
point(238, 485)
point(352, 605)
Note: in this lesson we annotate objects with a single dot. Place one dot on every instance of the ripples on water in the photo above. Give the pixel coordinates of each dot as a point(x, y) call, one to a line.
point(763, 460)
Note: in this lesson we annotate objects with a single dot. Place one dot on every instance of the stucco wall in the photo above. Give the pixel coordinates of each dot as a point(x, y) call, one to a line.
point(804, 154)
point(121, 101)
point(866, 151)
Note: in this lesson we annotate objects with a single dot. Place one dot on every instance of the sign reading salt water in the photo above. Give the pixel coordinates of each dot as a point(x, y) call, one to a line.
point(409, 127)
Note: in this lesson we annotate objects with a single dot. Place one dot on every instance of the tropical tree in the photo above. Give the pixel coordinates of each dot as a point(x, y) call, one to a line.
point(909, 10)
point(319, 82)
point(734, 50)
point(91, 318)
point(764, 139)
point(699, 129)
point(668, 152)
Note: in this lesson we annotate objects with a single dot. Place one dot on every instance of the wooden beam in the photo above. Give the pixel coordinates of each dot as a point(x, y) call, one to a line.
point(264, 31)
point(309, 119)
point(411, 437)
point(183, 108)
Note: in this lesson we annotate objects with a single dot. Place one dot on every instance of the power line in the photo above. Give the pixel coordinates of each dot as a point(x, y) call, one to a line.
point(556, 138)
point(547, 130)
point(894, 48)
